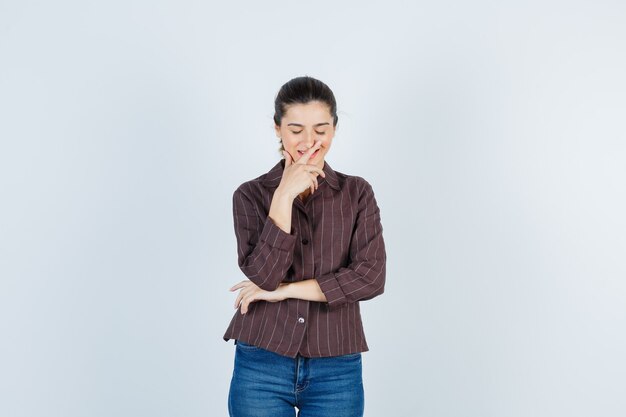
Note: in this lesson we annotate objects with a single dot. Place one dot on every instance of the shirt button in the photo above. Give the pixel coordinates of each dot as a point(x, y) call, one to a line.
point(304, 241)
point(301, 320)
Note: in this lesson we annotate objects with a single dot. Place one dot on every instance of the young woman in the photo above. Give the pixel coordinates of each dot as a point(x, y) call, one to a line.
point(309, 240)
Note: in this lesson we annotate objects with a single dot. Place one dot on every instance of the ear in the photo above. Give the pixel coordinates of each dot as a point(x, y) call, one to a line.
point(277, 129)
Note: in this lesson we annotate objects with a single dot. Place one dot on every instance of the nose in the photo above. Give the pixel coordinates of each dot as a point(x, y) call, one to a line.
point(309, 140)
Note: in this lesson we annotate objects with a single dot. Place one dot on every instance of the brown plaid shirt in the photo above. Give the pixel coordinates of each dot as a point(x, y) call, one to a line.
point(336, 237)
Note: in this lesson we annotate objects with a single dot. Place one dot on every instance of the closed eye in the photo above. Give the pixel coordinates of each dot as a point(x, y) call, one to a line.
point(319, 133)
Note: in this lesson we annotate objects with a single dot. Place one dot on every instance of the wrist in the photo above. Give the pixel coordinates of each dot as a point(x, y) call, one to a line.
point(285, 289)
point(283, 195)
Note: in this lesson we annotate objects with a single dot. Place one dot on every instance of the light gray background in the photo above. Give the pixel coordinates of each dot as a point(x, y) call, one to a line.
point(492, 132)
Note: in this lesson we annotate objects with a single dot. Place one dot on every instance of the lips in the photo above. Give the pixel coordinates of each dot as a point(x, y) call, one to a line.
point(312, 156)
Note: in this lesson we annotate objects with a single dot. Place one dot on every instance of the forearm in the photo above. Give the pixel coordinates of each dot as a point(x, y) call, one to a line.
point(280, 210)
point(308, 289)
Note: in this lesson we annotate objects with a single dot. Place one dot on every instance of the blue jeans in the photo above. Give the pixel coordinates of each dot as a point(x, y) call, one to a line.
point(266, 384)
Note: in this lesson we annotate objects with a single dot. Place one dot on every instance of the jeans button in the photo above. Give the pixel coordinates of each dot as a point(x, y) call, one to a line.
point(301, 320)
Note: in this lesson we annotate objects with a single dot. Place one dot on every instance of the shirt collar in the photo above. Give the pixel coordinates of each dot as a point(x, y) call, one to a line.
point(273, 176)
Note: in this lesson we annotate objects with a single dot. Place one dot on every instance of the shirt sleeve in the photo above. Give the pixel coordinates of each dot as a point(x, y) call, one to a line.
point(364, 277)
point(263, 257)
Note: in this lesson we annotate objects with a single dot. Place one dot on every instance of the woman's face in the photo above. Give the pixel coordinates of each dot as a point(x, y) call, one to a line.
point(302, 125)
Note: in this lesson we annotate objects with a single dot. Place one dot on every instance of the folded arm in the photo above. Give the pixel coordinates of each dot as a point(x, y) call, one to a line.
point(263, 257)
point(364, 277)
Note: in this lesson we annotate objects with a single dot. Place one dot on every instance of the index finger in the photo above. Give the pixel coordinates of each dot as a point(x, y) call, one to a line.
point(239, 284)
point(304, 159)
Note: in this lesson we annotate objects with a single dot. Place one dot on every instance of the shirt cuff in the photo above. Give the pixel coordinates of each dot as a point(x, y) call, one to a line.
point(277, 237)
point(332, 290)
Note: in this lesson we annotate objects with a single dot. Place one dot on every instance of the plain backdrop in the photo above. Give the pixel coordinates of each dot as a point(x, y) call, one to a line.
point(492, 132)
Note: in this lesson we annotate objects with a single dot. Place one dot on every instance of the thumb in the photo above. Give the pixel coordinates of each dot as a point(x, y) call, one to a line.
point(288, 160)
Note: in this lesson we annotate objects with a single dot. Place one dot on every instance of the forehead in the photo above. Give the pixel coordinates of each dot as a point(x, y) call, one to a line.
point(310, 113)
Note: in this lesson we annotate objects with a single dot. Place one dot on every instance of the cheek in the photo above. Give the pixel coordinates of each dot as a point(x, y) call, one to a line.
point(289, 143)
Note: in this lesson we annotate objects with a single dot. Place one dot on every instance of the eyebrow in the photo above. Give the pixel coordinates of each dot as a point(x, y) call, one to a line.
point(315, 125)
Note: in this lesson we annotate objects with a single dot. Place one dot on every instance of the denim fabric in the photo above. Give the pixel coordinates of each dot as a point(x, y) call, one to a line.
point(265, 383)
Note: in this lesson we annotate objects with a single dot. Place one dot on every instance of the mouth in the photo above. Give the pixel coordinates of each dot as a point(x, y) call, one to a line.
point(312, 156)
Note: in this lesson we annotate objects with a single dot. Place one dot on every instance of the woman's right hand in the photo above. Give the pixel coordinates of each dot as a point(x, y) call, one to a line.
point(300, 175)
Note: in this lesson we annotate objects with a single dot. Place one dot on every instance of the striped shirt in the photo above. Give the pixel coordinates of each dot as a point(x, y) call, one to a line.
point(336, 237)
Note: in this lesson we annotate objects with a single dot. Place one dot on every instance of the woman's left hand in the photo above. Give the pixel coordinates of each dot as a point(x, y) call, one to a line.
point(250, 293)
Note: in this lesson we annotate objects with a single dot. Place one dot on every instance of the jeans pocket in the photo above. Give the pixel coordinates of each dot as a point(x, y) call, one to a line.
point(246, 346)
point(349, 356)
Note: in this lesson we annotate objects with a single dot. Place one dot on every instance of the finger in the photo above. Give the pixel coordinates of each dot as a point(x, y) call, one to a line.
point(312, 168)
point(242, 294)
point(307, 155)
point(288, 159)
point(234, 287)
point(238, 299)
point(314, 182)
point(244, 306)
point(241, 284)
